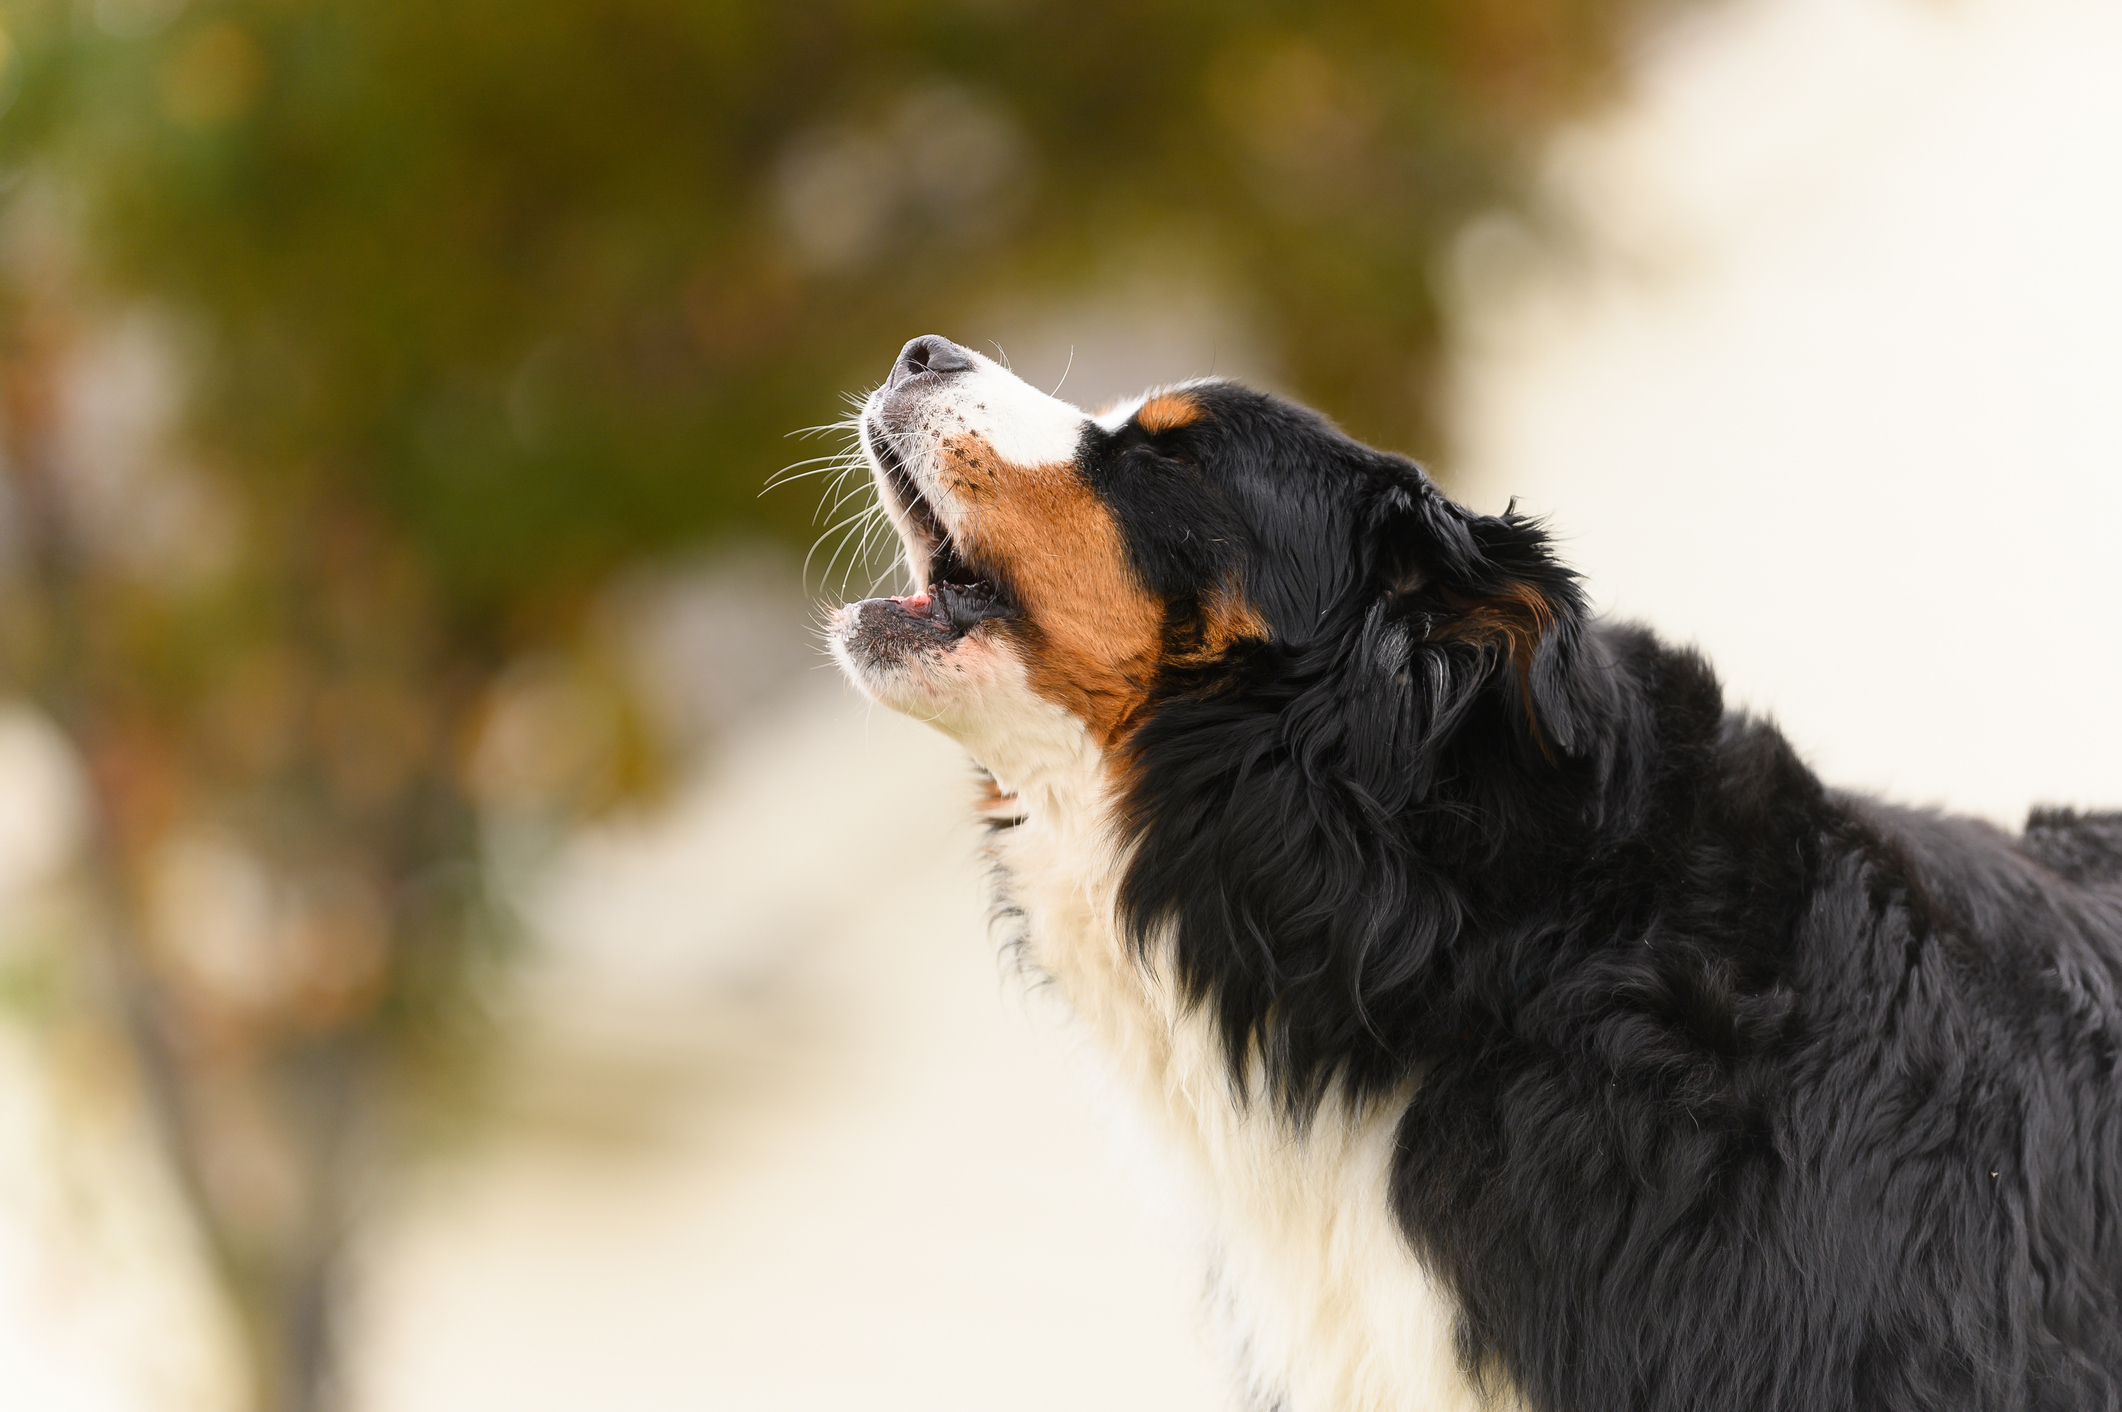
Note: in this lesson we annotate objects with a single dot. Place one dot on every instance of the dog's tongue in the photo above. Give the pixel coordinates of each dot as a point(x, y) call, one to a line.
point(924, 604)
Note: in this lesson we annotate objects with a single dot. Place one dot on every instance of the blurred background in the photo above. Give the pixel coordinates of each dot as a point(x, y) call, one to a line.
point(457, 946)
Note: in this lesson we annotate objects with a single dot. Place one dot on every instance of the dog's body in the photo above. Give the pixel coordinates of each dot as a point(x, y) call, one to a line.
point(1534, 1032)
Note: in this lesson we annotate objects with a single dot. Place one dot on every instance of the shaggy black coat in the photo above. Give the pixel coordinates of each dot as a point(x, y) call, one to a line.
point(1729, 1090)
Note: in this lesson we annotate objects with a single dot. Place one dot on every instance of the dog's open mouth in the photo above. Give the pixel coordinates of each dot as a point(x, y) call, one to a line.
point(956, 593)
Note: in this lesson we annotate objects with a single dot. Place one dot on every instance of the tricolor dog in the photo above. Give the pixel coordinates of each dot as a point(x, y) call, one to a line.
point(1536, 1031)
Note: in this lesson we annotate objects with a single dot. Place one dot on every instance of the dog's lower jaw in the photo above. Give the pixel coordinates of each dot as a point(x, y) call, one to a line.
point(979, 694)
point(1325, 1306)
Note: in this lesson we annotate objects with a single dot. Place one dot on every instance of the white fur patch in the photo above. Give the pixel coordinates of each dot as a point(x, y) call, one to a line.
point(1115, 417)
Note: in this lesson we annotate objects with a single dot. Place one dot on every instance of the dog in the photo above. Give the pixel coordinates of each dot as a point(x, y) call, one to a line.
point(1536, 1031)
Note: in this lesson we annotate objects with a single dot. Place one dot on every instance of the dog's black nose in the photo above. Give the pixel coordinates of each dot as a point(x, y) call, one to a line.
point(930, 353)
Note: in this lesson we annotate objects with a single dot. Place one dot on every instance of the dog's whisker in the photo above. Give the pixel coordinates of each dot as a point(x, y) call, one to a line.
point(828, 534)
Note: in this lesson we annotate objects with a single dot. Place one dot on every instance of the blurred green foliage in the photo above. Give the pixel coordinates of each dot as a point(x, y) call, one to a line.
point(541, 285)
point(479, 304)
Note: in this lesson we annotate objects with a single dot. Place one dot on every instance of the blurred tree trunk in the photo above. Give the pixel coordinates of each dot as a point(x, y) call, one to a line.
point(267, 1089)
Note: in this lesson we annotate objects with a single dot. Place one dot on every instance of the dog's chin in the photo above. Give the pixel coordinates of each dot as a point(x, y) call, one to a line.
point(914, 654)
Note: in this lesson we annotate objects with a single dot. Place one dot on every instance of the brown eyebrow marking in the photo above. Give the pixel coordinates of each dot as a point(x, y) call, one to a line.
point(1168, 411)
point(1226, 620)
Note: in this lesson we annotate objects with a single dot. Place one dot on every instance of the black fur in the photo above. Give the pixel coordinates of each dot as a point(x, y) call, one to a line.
point(1734, 1091)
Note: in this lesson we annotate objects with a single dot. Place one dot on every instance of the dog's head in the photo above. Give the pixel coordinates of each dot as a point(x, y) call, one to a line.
point(1078, 575)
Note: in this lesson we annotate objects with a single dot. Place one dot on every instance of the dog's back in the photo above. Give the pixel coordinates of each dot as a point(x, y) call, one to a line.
point(2085, 848)
point(1979, 1109)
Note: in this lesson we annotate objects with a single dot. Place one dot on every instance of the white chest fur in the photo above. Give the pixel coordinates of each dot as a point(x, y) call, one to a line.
point(1327, 1307)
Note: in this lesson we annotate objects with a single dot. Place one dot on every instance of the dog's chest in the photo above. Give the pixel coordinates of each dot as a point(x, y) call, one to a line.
point(1325, 1304)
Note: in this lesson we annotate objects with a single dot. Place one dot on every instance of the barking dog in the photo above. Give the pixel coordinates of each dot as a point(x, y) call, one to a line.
point(1536, 1032)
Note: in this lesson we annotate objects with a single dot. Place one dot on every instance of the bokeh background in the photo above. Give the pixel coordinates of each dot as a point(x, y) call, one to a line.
point(458, 949)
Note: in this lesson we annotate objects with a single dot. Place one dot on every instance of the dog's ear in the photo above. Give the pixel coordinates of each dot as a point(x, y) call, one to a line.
point(1288, 862)
point(1457, 582)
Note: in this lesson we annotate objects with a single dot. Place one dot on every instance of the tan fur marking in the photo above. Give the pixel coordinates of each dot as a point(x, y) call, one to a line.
point(1168, 411)
point(1515, 620)
point(994, 803)
point(1226, 620)
point(1099, 629)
